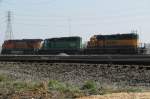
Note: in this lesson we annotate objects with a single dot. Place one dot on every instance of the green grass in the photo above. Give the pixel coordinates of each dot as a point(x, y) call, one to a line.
point(70, 91)
point(25, 86)
point(4, 78)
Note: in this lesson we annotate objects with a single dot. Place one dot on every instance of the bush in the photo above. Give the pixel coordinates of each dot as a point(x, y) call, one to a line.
point(90, 87)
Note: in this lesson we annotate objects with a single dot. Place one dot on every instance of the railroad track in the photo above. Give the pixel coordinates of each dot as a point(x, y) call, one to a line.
point(97, 59)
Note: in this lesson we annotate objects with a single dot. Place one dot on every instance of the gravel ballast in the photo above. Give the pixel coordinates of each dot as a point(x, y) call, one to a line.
point(132, 75)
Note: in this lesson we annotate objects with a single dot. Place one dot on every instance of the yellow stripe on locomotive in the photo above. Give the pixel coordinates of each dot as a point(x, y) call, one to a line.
point(114, 40)
point(132, 42)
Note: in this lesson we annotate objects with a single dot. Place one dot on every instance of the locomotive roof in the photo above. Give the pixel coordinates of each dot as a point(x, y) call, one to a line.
point(62, 38)
point(118, 36)
point(27, 40)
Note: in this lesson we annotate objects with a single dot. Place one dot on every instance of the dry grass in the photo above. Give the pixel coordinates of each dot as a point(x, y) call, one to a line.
point(144, 95)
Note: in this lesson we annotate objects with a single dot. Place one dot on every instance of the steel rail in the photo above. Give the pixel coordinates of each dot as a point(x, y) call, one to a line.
point(97, 59)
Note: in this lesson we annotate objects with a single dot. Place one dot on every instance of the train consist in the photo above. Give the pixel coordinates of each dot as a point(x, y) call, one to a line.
point(98, 44)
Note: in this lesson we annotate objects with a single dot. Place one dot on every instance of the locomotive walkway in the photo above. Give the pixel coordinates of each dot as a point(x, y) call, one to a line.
point(96, 59)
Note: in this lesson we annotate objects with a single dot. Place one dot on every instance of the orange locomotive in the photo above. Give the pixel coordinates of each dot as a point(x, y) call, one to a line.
point(24, 46)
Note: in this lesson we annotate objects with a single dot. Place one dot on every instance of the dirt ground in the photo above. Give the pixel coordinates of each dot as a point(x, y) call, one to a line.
point(55, 95)
point(144, 95)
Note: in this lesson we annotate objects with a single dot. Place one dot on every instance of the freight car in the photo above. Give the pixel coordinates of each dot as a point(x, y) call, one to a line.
point(24, 46)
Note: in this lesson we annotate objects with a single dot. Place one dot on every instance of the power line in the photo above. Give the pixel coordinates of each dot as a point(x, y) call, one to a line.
point(9, 33)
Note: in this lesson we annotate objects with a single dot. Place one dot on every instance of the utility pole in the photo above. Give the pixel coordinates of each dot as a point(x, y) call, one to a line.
point(9, 33)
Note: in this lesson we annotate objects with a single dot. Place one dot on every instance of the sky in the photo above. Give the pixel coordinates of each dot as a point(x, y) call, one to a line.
point(57, 18)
